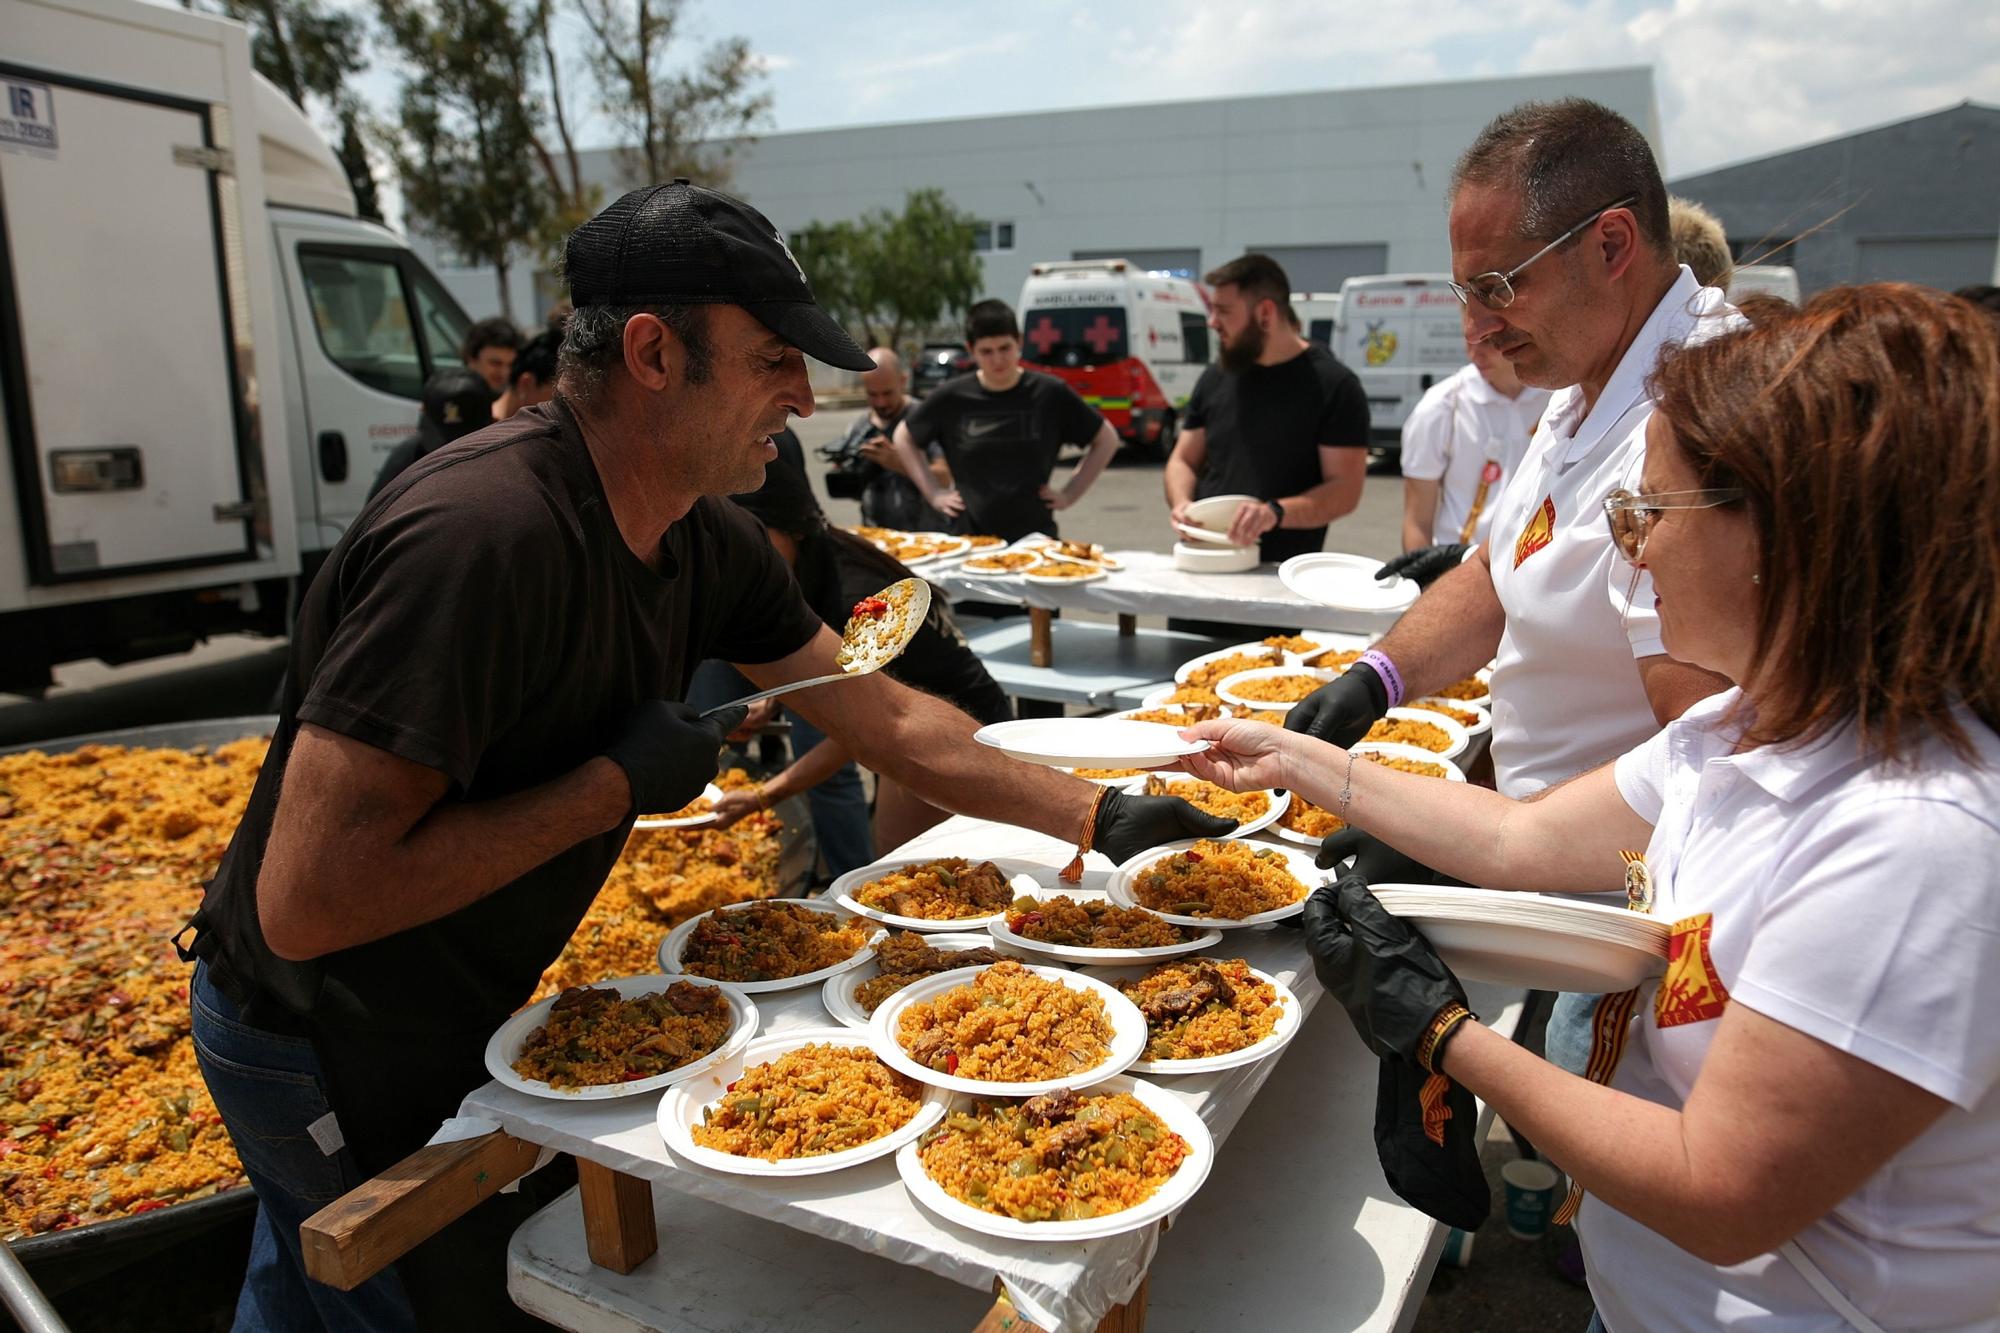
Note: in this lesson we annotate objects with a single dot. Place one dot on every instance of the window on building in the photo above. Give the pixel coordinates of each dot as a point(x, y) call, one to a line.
point(1765, 250)
point(1194, 339)
point(988, 236)
point(364, 320)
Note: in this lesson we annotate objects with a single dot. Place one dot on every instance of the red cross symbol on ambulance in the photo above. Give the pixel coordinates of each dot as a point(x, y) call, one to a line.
point(1044, 335)
point(1101, 334)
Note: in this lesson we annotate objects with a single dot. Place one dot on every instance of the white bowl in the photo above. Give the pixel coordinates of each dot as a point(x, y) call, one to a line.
point(1004, 937)
point(1297, 861)
point(1454, 733)
point(1179, 1188)
point(1194, 664)
point(1023, 876)
point(838, 992)
point(1278, 801)
point(1225, 688)
point(1128, 1034)
point(676, 941)
point(503, 1048)
point(1289, 1018)
point(680, 1111)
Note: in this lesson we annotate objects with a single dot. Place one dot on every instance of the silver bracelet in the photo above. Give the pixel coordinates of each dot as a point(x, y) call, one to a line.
point(1346, 790)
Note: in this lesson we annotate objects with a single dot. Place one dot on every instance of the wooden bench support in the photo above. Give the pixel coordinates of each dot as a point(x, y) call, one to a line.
point(1128, 625)
point(379, 1221)
point(1041, 643)
point(618, 1223)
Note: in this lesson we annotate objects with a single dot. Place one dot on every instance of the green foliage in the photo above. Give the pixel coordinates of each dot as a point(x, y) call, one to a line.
point(887, 274)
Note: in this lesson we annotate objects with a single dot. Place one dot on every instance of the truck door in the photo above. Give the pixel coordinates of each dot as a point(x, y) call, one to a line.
point(370, 327)
point(132, 444)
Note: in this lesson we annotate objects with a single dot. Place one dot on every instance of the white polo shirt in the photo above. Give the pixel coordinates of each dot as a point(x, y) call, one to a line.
point(1460, 430)
point(1858, 904)
point(1566, 692)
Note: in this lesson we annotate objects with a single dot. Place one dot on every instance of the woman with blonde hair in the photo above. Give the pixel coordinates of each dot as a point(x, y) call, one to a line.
point(1803, 1129)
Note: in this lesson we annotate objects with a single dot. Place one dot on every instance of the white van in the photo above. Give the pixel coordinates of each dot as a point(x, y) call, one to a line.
point(1133, 343)
point(1779, 280)
point(1401, 333)
point(204, 354)
point(1319, 316)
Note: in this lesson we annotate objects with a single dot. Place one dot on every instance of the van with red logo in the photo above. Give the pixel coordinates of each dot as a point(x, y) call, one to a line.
point(1400, 333)
point(1133, 343)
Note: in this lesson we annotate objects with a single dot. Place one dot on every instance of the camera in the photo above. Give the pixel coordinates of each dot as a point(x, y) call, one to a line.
point(847, 471)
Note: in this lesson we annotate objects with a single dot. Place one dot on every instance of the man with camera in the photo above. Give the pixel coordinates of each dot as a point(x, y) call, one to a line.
point(866, 466)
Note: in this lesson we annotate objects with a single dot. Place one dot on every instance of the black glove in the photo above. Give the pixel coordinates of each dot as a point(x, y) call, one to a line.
point(1383, 972)
point(1128, 825)
point(1426, 565)
point(1440, 1179)
point(1374, 860)
point(1341, 711)
point(669, 752)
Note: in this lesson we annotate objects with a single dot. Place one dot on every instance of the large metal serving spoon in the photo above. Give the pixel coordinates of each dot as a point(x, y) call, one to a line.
point(868, 644)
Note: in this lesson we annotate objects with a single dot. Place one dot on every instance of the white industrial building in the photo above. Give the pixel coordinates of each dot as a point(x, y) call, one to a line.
point(1332, 184)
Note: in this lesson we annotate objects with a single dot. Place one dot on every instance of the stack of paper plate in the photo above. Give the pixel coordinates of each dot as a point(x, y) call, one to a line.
point(1531, 940)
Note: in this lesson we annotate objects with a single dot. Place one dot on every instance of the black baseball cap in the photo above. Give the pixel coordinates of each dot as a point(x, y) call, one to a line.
point(680, 244)
point(457, 402)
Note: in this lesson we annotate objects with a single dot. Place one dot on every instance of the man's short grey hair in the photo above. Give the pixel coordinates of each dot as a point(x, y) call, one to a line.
point(594, 343)
point(1563, 159)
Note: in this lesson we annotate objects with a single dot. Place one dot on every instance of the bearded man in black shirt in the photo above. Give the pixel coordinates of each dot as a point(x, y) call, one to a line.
point(483, 693)
point(1279, 419)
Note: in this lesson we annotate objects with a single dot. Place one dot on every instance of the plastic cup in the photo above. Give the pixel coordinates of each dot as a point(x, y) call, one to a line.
point(1457, 1249)
point(1531, 1197)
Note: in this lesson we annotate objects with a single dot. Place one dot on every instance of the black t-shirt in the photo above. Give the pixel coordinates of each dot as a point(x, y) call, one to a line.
point(838, 569)
point(483, 617)
point(1265, 430)
point(890, 499)
point(1003, 446)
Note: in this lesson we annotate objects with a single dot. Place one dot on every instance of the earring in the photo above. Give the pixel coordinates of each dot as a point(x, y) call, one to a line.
point(1756, 578)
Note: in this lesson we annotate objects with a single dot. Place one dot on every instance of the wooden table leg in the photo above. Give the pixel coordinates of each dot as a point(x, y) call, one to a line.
point(1127, 1318)
point(1128, 625)
point(617, 1217)
point(1041, 643)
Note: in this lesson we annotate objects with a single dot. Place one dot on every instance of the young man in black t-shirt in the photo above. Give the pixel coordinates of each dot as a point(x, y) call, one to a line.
point(1002, 428)
point(1278, 419)
point(483, 693)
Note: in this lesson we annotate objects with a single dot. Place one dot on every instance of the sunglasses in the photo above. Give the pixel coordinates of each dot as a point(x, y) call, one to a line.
point(1495, 291)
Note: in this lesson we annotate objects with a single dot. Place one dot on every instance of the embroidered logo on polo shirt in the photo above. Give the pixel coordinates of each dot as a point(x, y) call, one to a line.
point(1691, 992)
point(1541, 530)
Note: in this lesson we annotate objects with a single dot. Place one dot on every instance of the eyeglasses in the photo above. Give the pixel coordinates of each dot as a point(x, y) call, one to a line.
point(1631, 516)
point(1495, 291)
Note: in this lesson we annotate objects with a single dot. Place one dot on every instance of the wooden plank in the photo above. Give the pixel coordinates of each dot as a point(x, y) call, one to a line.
point(618, 1223)
point(378, 1222)
point(1128, 625)
point(1041, 648)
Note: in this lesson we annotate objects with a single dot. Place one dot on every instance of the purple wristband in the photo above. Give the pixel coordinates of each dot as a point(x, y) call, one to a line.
point(1392, 679)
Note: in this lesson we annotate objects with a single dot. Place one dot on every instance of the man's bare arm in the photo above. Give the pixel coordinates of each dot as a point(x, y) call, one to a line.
point(1452, 631)
point(1183, 471)
point(913, 467)
point(1102, 447)
point(360, 847)
point(1674, 687)
point(1420, 504)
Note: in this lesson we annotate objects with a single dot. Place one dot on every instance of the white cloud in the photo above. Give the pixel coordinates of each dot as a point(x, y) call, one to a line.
point(769, 62)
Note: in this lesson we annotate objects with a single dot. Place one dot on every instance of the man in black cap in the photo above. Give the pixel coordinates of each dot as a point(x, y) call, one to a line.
point(457, 402)
point(483, 694)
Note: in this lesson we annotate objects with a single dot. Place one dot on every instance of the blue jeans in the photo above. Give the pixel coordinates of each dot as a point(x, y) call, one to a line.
point(269, 1089)
point(1571, 1032)
point(1596, 1324)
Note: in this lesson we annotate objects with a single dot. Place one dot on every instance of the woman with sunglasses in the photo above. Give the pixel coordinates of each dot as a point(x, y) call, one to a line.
point(1802, 1130)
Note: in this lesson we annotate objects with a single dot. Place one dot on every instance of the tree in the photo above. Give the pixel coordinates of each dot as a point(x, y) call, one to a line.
point(690, 123)
point(465, 142)
point(310, 51)
point(887, 274)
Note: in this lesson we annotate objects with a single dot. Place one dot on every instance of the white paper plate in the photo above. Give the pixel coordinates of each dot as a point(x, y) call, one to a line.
point(1159, 696)
point(711, 791)
point(1289, 1018)
point(1484, 675)
point(1456, 734)
point(1346, 582)
point(1199, 558)
point(838, 992)
point(1209, 537)
point(676, 940)
point(1452, 772)
point(1180, 1187)
point(1049, 550)
point(1225, 688)
point(1057, 580)
point(1128, 783)
point(680, 1111)
point(1088, 742)
point(1294, 837)
point(504, 1046)
point(1549, 956)
point(1194, 664)
point(1278, 801)
point(1208, 520)
point(1300, 864)
point(1128, 1034)
point(1478, 728)
point(970, 564)
point(1327, 640)
point(1024, 876)
point(1004, 937)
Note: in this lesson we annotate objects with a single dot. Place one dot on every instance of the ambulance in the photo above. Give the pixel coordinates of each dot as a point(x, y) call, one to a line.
point(1133, 343)
point(1400, 333)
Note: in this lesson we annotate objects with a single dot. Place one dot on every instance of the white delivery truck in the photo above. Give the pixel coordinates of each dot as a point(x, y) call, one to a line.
point(1319, 315)
point(1779, 280)
point(1401, 333)
point(204, 353)
point(1133, 343)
